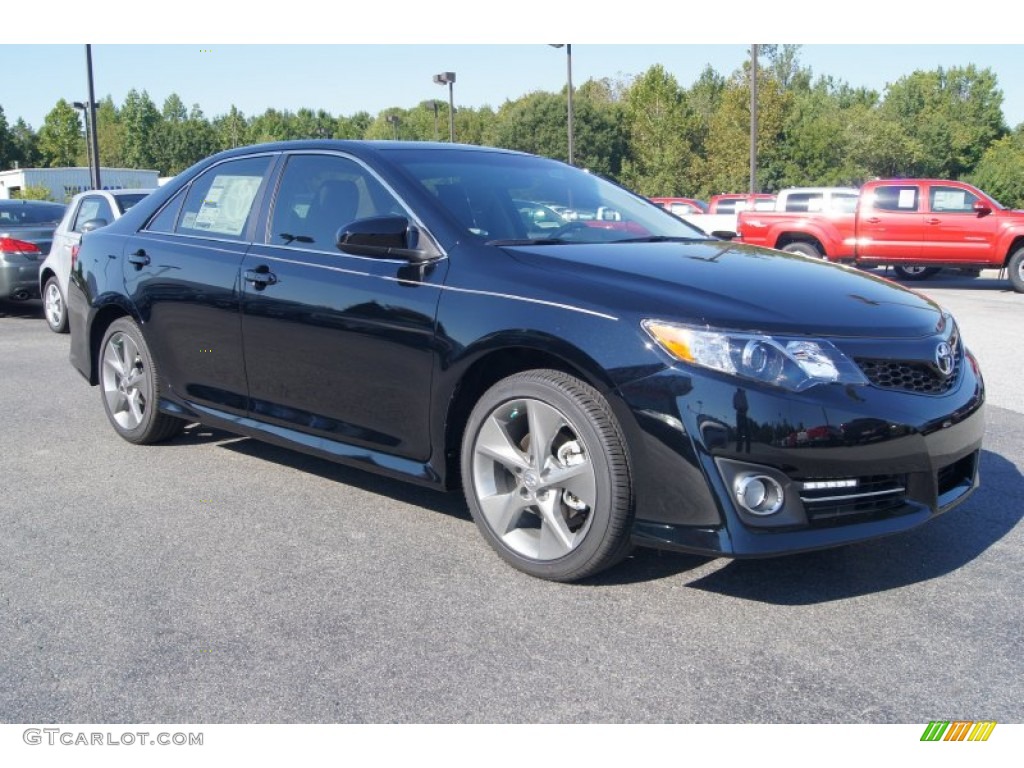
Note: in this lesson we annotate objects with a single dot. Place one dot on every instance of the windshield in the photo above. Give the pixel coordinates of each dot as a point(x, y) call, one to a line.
point(24, 213)
point(124, 202)
point(516, 199)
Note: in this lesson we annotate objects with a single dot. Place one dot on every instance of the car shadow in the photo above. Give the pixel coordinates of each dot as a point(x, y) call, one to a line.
point(30, 309)
point(451, 504)
point(939, 547)
point(987, 281)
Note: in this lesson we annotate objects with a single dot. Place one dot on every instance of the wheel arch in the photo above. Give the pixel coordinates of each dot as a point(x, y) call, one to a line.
point(102, 319)
point(788, 238)
point(1015, 245)
point(499, 361)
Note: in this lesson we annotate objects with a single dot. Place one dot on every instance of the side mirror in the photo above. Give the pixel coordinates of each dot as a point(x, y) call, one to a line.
point(982, 209)
point(93, 224)
point(382, 237)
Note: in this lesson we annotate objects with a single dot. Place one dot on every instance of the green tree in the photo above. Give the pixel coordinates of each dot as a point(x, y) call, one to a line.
point(1000, 172)
point(32, 192)
point(231, 129)
point(6, 142)
point(24, 145)
point(110, 134)
point(141, 121)
point(660, 158)
point(353, 127)
point(534, 123)
point(952, 115)
point(60, 139)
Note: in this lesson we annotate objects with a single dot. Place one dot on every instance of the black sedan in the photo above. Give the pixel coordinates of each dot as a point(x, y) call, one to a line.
point(619, 379)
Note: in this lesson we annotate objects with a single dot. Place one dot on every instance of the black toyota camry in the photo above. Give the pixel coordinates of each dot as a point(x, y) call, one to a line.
point(603, 377)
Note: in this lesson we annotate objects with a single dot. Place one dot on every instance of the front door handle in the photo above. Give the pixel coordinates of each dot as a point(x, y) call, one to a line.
point(872, 220)
point(260, 277)
point(933, 221)
point(139, 259)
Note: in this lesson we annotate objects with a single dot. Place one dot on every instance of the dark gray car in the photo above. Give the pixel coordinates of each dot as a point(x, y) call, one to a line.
point(26, 233)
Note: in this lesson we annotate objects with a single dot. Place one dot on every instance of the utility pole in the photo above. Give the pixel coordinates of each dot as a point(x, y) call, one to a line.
point(753, 119)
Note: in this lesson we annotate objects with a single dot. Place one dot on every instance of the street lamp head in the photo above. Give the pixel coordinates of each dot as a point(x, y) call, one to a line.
point(557, 45)
point(444, 78)
point(80, 104)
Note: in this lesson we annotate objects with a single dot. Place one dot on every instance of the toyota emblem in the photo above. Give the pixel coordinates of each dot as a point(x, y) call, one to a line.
point(944, 358)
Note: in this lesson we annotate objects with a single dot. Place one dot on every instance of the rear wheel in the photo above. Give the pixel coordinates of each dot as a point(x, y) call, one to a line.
point(54, 307)
point(804, 249)
point(546, 476)
point(1015, 270)
point(915, 273)
point(130, 385)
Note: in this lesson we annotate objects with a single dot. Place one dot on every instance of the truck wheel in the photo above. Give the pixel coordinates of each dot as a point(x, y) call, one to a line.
point(804, 249)
point(915, 273)
point(1015, 270)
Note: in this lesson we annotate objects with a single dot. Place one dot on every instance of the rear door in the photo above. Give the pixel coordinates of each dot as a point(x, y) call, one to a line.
point(890, 223)
point(338, 346)
point(182, 272)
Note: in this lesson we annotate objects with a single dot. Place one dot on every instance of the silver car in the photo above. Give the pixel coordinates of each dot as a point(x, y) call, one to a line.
point(26, 230)
point(86, 212)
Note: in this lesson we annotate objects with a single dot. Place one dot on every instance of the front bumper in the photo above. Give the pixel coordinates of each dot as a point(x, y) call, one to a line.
point(894, 461)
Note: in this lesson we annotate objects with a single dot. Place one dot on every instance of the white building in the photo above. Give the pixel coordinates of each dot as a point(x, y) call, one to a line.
point(64, 183)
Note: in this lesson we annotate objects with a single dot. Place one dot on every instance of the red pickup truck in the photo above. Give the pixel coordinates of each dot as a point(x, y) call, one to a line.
point(916, 225)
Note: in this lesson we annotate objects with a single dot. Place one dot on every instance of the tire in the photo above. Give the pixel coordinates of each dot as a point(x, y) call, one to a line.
point(804, 249)
point(1015, 270)
point(55, 307)
point(563, 513)
point(130, 386)
point(915, 273)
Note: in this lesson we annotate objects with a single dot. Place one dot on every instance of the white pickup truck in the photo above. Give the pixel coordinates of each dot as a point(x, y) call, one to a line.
point(817, 199)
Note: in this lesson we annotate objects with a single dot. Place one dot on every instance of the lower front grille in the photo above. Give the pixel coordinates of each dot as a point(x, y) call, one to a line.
point(872, 497)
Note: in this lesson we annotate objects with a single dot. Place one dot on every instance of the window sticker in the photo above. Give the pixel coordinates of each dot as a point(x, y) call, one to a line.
point(908, 199)
point(227, 204)
point(950, 200)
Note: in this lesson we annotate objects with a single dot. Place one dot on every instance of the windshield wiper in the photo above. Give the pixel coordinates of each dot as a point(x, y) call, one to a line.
point(538, 241)
point(664, 239)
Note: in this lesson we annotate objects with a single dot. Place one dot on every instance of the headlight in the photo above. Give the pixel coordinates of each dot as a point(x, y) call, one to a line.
point(787, 362)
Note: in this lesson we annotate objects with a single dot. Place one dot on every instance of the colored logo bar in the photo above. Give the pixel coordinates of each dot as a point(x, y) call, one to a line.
point(958, 730)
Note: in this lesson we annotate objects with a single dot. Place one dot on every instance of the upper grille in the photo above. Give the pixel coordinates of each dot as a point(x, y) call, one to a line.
point(918, 376)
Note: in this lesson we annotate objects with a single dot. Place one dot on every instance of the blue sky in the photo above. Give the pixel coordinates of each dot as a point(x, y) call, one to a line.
point(343, 74)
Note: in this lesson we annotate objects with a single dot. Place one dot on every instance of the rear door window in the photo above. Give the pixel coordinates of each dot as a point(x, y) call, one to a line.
point(902, 199)
point(220, 202)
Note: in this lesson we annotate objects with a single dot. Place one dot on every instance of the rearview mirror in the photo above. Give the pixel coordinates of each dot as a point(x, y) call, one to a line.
point(982, 209)
point(723, 234)
point(92, 224)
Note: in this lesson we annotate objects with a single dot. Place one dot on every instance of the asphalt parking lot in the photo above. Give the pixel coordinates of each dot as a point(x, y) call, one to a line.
point(216, 579)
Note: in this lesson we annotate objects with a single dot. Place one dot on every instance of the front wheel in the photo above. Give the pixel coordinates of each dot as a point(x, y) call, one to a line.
point(1015, 270)
point(54, 307)
point(547, 477)
point(915, 273)
point(130, 386)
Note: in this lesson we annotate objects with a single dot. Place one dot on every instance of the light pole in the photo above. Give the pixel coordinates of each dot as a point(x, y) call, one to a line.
point(83, 107)
point(448, 78)
point(753, 119)
point(568, 68)
point(394, 120)
point(95, 162)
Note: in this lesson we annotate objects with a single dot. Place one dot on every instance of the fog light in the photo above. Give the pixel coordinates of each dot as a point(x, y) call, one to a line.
point(758, 494)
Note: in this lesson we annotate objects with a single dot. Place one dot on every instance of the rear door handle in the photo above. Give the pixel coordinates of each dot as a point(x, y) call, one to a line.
point(260, 277)
point(933, 221)
point(872, 220)
point(139, 259)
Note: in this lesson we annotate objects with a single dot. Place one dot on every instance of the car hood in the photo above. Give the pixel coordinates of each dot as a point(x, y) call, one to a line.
point(734, 285)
